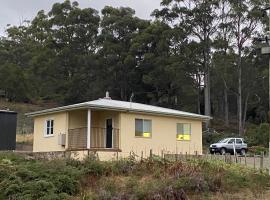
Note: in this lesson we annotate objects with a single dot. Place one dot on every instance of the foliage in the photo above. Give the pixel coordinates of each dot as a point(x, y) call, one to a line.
point(72, 54)
point(25, 178)
point(258, 135)
point(32, 179)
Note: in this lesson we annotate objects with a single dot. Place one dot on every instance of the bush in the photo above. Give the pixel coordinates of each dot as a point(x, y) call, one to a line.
point(257, 135)
point(94, 167)
point(124, 179)
point(258, 150)
point(31, 179)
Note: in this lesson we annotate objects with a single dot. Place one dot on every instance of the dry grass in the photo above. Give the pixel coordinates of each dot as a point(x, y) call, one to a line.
point(25, 138)
point(241, 195)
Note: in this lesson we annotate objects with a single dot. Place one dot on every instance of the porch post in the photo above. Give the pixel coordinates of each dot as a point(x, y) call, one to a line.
point(88, 128)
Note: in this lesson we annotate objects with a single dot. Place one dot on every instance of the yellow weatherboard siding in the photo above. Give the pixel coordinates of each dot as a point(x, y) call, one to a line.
point(163, 135)
point(50, 143)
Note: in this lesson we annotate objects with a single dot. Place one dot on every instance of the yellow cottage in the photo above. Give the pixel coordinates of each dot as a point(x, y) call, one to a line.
point(111, 128)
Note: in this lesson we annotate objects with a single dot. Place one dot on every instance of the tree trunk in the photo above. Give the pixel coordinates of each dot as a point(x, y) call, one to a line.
point(245, 111)
point(239, 65)
point(239, 96)
point(207, 105)
point(226, 107)
point(199, 102)
point(199, 94)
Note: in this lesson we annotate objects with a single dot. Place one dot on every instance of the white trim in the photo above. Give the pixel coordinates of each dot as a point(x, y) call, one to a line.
point(123, 106)
point(45, 128)
point(88, 129)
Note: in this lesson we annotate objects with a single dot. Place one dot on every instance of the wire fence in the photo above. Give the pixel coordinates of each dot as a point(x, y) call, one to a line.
point(259, 162)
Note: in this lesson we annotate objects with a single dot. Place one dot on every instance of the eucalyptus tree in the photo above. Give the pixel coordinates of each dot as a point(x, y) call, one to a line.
point(223, 60)
point(165, 77)
point(118, 27)
point(16, 52)
point(199, 18)
point(245, 20)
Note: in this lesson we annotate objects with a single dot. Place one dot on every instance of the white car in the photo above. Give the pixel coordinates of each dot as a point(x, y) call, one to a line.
point(228, 145)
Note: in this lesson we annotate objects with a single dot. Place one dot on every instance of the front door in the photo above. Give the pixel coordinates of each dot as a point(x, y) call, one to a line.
point(109, 130)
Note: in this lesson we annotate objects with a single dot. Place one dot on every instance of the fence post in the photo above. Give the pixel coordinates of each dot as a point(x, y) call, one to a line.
point(186, 156)
point(176, 157)
point(141, 155)
point(254, 161)
point(151, 153)
point(261, 161)
point(245, 160)
point(117, 155)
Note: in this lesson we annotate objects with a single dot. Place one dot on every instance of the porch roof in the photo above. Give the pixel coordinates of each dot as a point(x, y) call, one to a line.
point(124, 106)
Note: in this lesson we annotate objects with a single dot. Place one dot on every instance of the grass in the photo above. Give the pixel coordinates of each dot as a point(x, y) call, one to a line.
point(24, 138)
point(22, 177)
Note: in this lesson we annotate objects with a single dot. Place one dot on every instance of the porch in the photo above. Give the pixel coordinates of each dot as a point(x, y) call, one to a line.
point(93, 130)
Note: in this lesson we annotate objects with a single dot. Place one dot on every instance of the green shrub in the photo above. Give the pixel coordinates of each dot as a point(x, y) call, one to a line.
point(257, 150)
point(94, 167)
point(257, 135)
point(124, 179)
point(123, 166)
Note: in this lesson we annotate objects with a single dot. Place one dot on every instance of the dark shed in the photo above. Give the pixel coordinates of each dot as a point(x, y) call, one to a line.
point(8, 123)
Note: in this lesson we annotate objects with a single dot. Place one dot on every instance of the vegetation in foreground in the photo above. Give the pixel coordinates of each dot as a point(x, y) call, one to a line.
point(22, 177)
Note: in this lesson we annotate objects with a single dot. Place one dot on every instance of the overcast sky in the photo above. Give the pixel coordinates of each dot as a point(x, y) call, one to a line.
point(15, 11)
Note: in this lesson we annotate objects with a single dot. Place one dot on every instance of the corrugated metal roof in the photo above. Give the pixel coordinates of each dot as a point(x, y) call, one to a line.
point(7, 111)
point(123, 106)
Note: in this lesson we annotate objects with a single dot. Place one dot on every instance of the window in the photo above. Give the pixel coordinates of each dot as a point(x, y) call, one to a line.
point(143, 128)
point(231, 141)
point(238, 141)
point(183, 131)
point(49, 127)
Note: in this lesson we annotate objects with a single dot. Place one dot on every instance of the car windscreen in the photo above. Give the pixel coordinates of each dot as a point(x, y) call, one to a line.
point(223, 140)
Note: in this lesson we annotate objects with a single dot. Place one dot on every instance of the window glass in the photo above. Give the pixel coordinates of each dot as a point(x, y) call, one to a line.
point(223, 140)
point(143, 127)
point(138, 127)
point(231, 141)
point(49, 127)
point(238, 141)
point(183, 131)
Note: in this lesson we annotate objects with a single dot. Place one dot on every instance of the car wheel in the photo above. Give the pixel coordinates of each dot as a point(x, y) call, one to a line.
point(243, 152)
point(222, 151)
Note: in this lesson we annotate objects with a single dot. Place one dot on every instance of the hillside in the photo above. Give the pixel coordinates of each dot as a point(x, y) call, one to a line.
point(24, 124)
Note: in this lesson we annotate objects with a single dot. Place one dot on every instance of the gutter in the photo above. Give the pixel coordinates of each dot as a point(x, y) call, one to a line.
point(87, 106)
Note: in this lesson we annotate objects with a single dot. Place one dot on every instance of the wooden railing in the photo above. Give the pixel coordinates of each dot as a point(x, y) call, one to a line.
point(77, 138)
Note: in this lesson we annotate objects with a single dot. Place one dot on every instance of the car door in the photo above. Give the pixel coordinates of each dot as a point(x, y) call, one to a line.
point(230, 144)
point(238, 144)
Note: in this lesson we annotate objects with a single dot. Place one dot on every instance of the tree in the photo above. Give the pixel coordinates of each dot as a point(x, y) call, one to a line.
point(118, 28)
point(245, 21)
point(199, 19)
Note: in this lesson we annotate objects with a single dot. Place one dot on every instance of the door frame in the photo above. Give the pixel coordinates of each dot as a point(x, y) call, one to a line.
point(105, 138)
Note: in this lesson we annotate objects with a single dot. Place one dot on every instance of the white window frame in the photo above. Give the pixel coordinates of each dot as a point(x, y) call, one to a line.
point(45, 127)
point(143, 127)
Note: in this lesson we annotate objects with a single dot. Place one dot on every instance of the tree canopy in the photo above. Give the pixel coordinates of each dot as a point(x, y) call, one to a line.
point(196, 56)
